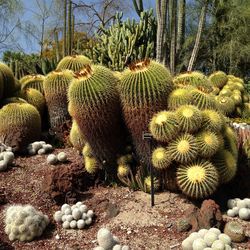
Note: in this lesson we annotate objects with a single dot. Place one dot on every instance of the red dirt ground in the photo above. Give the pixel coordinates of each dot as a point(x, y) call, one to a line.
point(137, 224)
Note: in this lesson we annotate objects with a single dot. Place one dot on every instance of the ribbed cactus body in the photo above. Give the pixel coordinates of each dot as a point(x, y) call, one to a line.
point(144, 89)
point(35, 98)
point(7, 79)
point(76, 137)
point(94, 104)
point(74, 63)
point(34, 82)
point(218, 79)
point(56, 86)
point(198, 179)
point(11, 100)
point(20, 124)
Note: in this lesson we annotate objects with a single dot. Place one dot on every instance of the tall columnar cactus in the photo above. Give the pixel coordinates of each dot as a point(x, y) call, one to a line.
point(95, 105)
point(20, 124)
point(144, 89)
point(34, 82)
point(125, 42)
point(74, 63)
point(7, 79)
point(56, 86)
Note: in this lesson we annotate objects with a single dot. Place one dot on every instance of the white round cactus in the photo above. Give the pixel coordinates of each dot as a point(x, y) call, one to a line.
point(62, 157)
point(41, 151)
point(215, 230)
point(241, 204)
point(244, 214)
point(199, 244)
point(24, 223)
point(6, 159)
point(247, 201)
point(187, 244)
point(225, 238)
point(58, 216)
point(51, 159)
point(73, 224)
point(66, 225)
point(236, 210)
point(80, 224)
point(231, 213)
point(105, 238)
point(218, 245)
point(3, 165)
point(202, 232)
point(210, 237)
point(76, 214)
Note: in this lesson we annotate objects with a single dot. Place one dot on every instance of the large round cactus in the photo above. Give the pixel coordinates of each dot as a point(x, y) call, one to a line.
point(218, 79)
point(94, 104)
point(7, 81)
point(56, 86)
point(34, 82)
point(74, 63)
point(20, 124)
point(144, 89)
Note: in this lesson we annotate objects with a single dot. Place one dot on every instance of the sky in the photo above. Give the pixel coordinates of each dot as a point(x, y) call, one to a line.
point(30, 6)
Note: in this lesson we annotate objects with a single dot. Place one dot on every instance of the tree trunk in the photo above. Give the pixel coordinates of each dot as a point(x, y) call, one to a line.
point(161, 13)
point(42, 38)
point(181, 24)
point(138, 4)
point(73, 32)
point(69, 33)
point(65, 29)
point(173, 36)
point(231, 57)
point(198, 36)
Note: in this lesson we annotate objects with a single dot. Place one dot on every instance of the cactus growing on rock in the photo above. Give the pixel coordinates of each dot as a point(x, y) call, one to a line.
point(56, 85)
point(74, 63)
point(20, 124)
point(198, 179)
point(144, 89)
point(93, 99)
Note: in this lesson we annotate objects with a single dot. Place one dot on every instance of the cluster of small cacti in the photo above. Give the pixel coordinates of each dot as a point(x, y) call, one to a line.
point(231, 94)
point(238, 207)
point(24, 223)
point(206, 239)
point(6, 157)
point(52, 159)
point(39, 147)
point(107, 241)
point(74, 217)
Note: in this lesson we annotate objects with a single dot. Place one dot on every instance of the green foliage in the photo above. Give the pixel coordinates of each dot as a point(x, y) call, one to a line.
point(125, 41)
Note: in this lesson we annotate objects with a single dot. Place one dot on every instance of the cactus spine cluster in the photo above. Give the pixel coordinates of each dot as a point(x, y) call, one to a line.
point(34, 82)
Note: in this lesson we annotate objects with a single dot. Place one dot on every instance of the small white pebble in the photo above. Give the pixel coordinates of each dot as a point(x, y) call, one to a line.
point(57, 237)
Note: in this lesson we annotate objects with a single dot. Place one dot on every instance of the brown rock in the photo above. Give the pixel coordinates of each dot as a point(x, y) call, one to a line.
point(65, 183)
point(209, 215)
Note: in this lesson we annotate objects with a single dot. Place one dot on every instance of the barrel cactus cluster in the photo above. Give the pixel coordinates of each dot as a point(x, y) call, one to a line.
point(193, 148)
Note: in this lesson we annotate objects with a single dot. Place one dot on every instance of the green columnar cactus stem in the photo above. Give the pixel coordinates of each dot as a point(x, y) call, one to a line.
point(56, 86)
point(144, 89)
point(93, 99)
point(20, 124)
